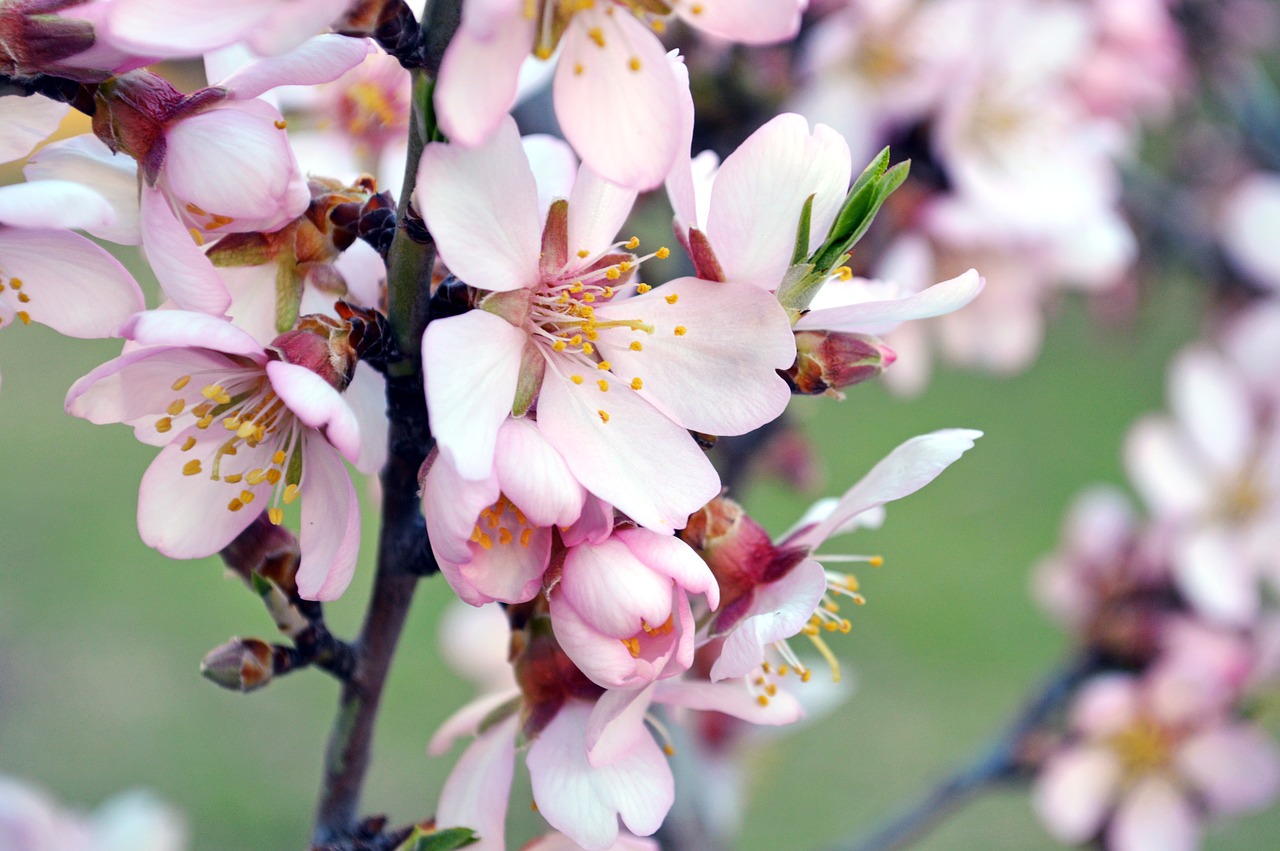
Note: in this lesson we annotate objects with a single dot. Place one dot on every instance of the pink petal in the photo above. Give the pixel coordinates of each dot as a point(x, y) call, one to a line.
point(481, 205)
point(235, 160)
point(191, 329)
point(164, 28)
point(476, 793)
point(1075, 792)
point(367, 396)
point(1212, 403)
point(1215, 575)
point(780, 609)
point(585, 801)
point(74, 287)
point(139, 384)
point(1154, 816)
point(613, 590)
point(731, 698)
point(902, 472)
point(534, 476)
point(617, 102)
point(1247, 228)
point(471, 364)
point(554, 166)
point(330, 531)
point(26, 122)
point(680, 184)
point(506, 573)
point(54, 204)
point(467, 720)
point(720, 375)
point(1164, 468)
point(639, 461)
point(604, 659)
point(477, 83)
point(317, 404)
point(1106, 705)
point(451, 506)
point(598, 209)
point(321, 59)
point(747, 21)
point(85, 159)
point(188, 516)
point(672, 558)
point(1236, 768)
point(184, 272)
point(760, 190)
point(879, 317)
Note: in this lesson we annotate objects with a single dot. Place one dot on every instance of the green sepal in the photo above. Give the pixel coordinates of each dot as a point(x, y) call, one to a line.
point(288, 293)
point(499, 714)
point(802, 232)
point(529, 381)
point(261, 585)
point(868, 193)
point(240, 249)
point(439, 840)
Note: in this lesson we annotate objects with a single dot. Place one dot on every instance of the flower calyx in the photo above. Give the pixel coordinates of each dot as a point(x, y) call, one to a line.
point(322, 345)
point(829, 361)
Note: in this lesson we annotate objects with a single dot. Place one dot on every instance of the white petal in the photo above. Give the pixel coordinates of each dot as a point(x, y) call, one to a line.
point(1075, 791)
point(1154, 816)
point(85, 159)
point(476, 793)
point(330, 531)
point(879, 317)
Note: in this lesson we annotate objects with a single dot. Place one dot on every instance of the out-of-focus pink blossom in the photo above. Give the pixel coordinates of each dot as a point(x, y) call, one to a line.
point(30, 821)
point(173, 28)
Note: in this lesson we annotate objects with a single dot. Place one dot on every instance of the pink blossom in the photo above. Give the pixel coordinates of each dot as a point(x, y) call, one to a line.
point(173, 28)
point(616, 371)
point(492, 537)
point(1212, 472)
point(30, 821)
point(621, 610)
point(1249, 217)
point(54, 277)
point(26, 122)
point(1146, 754)
point(615, 93)
point(775, 591)
point(244, 430)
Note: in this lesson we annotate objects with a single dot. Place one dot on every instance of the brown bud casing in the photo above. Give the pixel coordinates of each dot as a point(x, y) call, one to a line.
point(322, 345)
point(242, 664)
point(828, 361)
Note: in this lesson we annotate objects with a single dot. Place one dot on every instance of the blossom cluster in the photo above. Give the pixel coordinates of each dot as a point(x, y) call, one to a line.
point(1174, 611)
point(572, 381)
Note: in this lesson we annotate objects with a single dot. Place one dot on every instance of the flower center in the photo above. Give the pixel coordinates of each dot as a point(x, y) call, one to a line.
point(248, 408)
point(502, 524)
point(1142, 748)
point(647, 632)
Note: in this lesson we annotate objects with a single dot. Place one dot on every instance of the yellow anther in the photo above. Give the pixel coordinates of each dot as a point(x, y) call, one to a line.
point(246, 497)
point(16, 283)
point(680, 330)
point(188, 444)
point(175, 407)
point(205, 421)
point(485, 541)
point(524, 538)
point(604, 416)
point(831, 626)
point(696, 8)
point(633, 243)
point(588, 349)
point(275, 515)
point(643, 288)
point(636, 384)
point(634, 64)
point(164, 424)
point(635, 346)
point(612, 273)
point(231, 423)
point(604, 364)
point(575, 340)
point(195, 236)
point(181, 382)
point(256, 476)
point(195, 211)
point(805, 676)
point(277, 457)
point(608, 292)
point(603, 385)
point(844, 273)
point(762, 700)
point(577, 67)
point(673, 298)
point(588, 297)
point(576, 379)
point(668, 750)
point(831, 606)
point(24, 316)
point(563, 299)
point(281, 124)
point(191, 468)
point(290, 494)
point(24, 298)
point(597, 35)
point(624, 266)
point(659, 25)
point(876, 561)
point(273, 477)
point(475, 534)
point(783, 670)
point(212, 391)
point(583, 253)
point(576, 287)
point(235, 505)
point(632, 645)
point(662, 253)
point(504, 536)
point(845, 626)
point(247, 430)
point(233, 479)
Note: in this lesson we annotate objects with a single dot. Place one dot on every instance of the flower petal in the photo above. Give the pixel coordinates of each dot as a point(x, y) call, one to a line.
point(476, 793)
point(26, 122)
point(731, 698)
point(746, 21)
point(639, 461)
point(1154, 816)
point(1212, 403)
point(192, 329)
point(713, 356)
point(54, 204)
point(321, 59)
point(598, 209)
point(73, 286)
point(481, 205)
point(902, 472)
point(478, 77)
point(616, 98)
point(317, 404)
point(471, 365)
point(761, 189)
point(780, 610)
point(879, 317)
point(612, 589)
point(85, 159)
point(330, 531)
point(673, 558)
point(1236, 768)
point(534, 476)
point(1075, 791)
point(185, 273)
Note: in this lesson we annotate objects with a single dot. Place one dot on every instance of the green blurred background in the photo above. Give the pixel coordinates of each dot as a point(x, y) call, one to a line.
point(100, 637)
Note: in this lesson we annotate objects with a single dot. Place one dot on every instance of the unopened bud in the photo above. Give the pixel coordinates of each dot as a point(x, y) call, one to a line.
point(322, 345)
point(32, 42)
point(736, 548)
point(242, 664)
point(267, 550)
point(828, 361)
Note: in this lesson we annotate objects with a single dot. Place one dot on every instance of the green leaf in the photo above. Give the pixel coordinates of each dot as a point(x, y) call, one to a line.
point(288, 293)
point(802, 231)
point(867, 195)
point(439, 840)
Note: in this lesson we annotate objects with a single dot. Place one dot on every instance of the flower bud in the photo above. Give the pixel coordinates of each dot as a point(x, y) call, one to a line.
point(735, 547)
point(32, 41)
point(322, 345)
point(242, 664)
point(828, 361)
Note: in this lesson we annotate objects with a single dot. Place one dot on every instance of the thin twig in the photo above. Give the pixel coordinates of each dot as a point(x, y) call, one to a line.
point(1001, 762)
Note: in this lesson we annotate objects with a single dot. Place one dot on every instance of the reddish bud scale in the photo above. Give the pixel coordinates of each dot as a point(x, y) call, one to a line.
point(267, 550)
point(546, 676)
point(322, 345)
point(242, 664)
point(828, 361)
point(33, 39)
point(736, 548)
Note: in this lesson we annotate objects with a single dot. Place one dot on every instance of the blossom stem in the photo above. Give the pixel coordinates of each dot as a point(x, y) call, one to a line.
point(1005, 760)
point(404, 554)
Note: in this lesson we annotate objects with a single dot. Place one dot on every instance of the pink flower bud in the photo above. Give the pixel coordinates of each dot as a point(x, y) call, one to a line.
point(828, 361)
